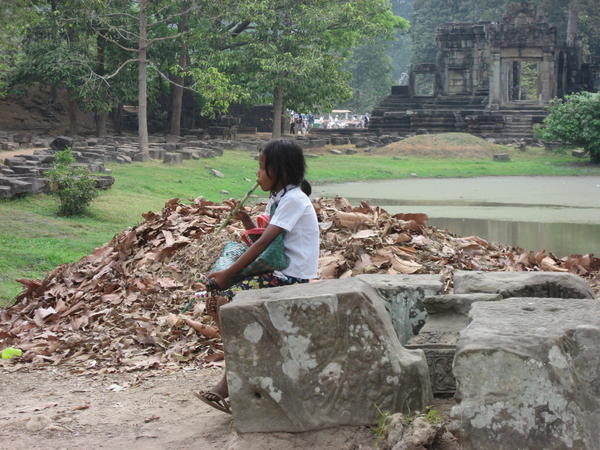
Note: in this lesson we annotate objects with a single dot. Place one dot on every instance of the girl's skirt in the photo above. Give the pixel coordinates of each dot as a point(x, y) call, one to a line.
point(264, 280)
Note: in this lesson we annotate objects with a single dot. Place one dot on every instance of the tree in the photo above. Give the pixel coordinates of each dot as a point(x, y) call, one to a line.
point(296, 50)
point(371, 69)
point(575, 120)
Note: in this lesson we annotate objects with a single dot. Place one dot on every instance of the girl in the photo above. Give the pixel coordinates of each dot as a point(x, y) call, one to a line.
point(281, 171)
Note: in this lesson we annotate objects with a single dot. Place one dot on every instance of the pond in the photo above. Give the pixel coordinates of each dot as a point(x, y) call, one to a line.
point(559, 214)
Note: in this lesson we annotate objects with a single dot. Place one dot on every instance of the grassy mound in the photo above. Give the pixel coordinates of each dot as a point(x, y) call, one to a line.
point(445, 145)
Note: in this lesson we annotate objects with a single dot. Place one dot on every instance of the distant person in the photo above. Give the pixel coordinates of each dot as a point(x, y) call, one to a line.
point(366, 121)
point(293, 125)
point(298, 127)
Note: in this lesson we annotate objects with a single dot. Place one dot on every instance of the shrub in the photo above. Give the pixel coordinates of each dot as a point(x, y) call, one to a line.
point(74, 186)
point(575, 120)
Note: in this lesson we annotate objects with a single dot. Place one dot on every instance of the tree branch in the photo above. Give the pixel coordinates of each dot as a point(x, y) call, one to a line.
point(131, 16)
point(167, 79)
point(115, 73)
point(117, 43)
point(173, 16)
point(163, 38)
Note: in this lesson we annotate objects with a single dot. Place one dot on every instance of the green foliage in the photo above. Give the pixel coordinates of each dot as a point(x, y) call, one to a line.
point(575, 120)
point(74, 186)
point(371, 68)
point(430, 415)
point(381, 423)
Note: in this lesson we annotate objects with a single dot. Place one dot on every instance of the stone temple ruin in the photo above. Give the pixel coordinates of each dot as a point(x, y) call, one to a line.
point(490, 79)
point(518, 350)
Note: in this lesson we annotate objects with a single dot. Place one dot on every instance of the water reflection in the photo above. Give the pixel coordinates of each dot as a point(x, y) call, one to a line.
point(559, 214)
point(559, 238)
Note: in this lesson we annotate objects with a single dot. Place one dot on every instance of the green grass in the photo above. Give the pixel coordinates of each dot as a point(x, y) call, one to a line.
point(33, 240)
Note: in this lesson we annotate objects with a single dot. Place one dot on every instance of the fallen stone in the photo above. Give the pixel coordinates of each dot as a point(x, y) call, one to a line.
point(173, 158)
point(333, 151)
point(528, 375)
point(579, 153)
point(140, 157)
point(317, 355)
point(501, 157)
point(416, 435)
point(157, 153)
point(350, 151)
point(456, 303)
point(61, 143)
point(216, 173)
point(5, 191)
point(340, 140)
point(522, 284)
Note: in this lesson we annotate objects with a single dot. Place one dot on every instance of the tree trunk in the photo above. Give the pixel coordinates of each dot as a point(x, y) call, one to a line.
point(572, 23)
point(101, 119)
point(143, 81)
point(177, 91)
point(101, 114)
point(72, 108)
point(116, 119)
point(277, 111)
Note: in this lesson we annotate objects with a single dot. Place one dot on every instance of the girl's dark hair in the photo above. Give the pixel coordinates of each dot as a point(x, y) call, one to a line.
point(284, 162)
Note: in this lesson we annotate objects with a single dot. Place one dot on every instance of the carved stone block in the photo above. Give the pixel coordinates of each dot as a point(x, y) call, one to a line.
point(305, 357)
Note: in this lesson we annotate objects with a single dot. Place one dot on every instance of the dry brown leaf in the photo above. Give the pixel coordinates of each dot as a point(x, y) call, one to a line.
point(549, 265)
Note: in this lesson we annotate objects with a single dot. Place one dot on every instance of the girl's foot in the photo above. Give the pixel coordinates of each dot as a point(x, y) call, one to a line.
point(214, 400)
point(217, 396)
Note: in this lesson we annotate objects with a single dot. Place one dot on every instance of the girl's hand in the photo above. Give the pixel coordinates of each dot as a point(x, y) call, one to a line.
point(222, 278)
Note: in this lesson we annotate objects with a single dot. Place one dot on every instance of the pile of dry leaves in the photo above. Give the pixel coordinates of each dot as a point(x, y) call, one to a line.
point(120, 307)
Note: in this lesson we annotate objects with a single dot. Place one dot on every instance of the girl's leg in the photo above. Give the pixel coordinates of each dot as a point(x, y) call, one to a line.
point(213, 305)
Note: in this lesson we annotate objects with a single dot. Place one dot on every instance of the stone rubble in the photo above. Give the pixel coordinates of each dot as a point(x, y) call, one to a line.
point(24, 174)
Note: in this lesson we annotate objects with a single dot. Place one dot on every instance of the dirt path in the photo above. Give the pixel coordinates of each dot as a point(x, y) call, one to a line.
point(50, 408)
point(11, 153)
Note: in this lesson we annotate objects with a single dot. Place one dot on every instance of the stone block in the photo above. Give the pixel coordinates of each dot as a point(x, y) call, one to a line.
point(189, 153)
point(104, 181)
point(172, 158)
point(340, 140)
point(5, 192)
point(14, 161)
point(20, 187)
point(317, 355)
point(61, 142)
point(333, 151)
point(404, 297)
point(522, 284)
point(140, 157)
point(501, 157)
point(157, 153)
point(25, 169)
point(528, 375)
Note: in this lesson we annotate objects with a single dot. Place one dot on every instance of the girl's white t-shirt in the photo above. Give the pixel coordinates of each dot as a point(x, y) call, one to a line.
point(296, 215)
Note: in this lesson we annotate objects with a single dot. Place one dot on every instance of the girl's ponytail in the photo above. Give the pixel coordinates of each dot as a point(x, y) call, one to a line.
point(306, 187)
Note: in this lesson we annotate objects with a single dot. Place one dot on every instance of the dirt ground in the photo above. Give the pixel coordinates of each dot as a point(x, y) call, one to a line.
point(52, 408)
